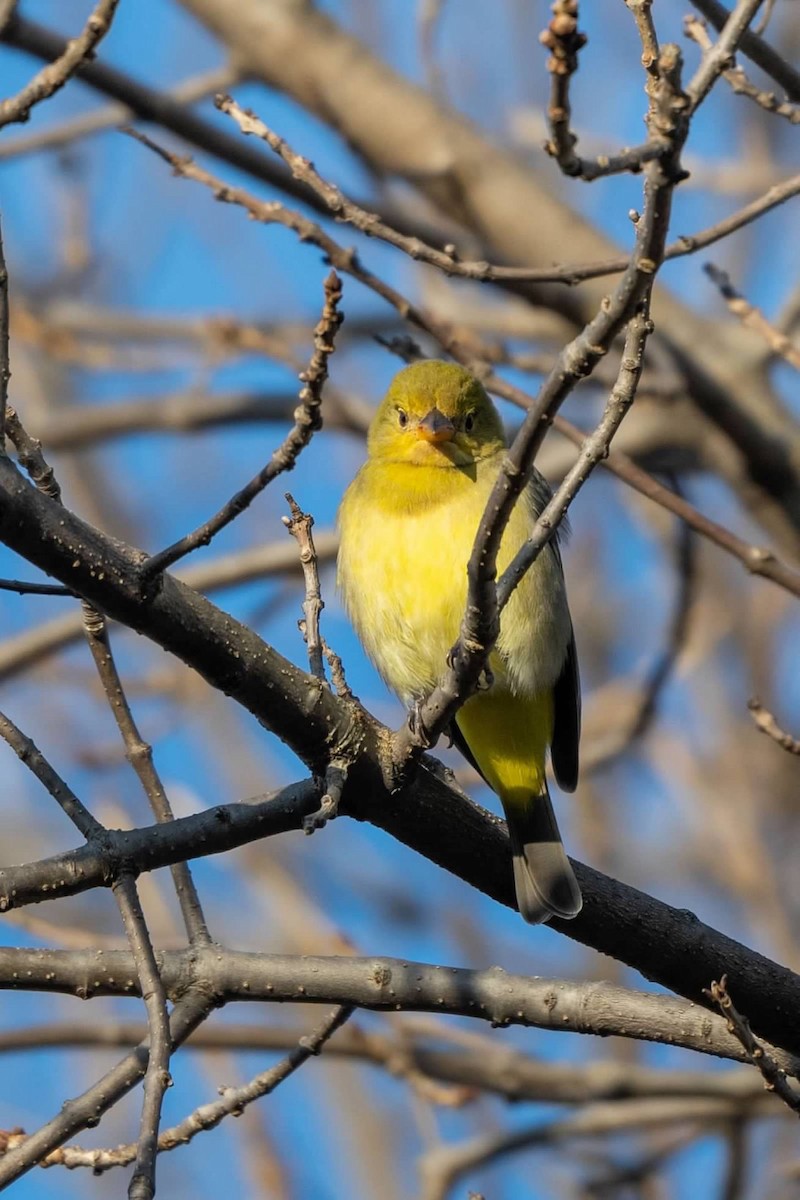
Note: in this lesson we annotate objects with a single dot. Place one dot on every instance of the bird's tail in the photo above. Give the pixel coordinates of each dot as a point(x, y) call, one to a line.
point(543, 877)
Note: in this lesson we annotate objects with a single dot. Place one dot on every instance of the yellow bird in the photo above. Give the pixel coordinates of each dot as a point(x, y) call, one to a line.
point(408, 521)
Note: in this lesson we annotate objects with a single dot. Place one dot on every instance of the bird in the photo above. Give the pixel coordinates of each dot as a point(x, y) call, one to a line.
point(407, 524)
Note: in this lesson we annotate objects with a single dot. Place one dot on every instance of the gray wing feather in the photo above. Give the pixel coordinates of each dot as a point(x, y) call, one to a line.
point(567, 691)
point(567, 721)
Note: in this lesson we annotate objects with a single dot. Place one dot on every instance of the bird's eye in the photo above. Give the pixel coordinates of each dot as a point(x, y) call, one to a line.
point(402, 418)
point(469, 422)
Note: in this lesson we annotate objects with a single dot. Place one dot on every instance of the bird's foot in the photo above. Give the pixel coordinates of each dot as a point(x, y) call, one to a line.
point(417, 726)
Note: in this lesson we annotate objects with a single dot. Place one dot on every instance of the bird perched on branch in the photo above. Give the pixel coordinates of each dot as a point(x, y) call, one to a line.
point(408, 522)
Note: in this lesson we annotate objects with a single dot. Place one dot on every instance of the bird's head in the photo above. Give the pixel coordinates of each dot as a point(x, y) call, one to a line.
point(435, 414)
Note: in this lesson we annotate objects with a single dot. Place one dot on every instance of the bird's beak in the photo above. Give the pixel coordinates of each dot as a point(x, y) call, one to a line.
point(435, 427)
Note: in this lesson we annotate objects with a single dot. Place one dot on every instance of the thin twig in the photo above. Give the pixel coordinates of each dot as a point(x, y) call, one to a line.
point(564, 40)
point(29, 454)
point(55, 75)
point(766, 722)
point(299, 526)
point(139, 754)
point(142, 1185)
point(333, 784)
point(757, 51)
point(157, 1078)
point(774, 1076)
point(5, 360)
point(29, 754)
point(340, 684)
point(26, 588)
point(667, 114)
point(594, 450)
point(753, 318)
point(735, 77)
point(369, 223)
point(65, 133)
point(85, 1110)
point(642, 11)
point(307, 420)
point(233, 1102)
point(346, 261)
point(721, 55)
point(757, 560)
point(774, 196)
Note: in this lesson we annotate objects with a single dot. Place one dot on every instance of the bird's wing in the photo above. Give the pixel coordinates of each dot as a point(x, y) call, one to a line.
point(567, 690)
point(567, 721)
point(460, 742)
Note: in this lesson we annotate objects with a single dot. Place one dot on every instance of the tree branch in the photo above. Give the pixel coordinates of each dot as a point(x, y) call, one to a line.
point(382, 984)
point(662, 943)
point(53, 77)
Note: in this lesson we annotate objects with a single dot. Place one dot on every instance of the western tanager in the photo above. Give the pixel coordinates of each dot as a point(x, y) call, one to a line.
point(408, 522)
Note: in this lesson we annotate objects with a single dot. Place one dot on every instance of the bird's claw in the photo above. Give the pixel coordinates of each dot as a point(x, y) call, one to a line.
point(417, 726)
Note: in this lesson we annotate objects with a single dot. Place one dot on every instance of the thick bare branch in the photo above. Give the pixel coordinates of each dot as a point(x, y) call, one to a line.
point(664, 944)
point(380, 984)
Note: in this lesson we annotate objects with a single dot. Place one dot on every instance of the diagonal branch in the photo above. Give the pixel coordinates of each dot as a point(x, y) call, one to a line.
point(665, 944)
point(753, 318)
point(140, 756)
point(307, 420)
point(53, 77)
point(773, 1075)
point(233, 1102)
point(720, 56)
point(5, 368)
point(734, 76)
point(85, 1110)
point(756, 49)
point(480, 624)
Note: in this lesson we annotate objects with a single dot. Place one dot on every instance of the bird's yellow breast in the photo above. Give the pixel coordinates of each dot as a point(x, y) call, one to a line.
point(407, 533)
